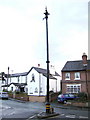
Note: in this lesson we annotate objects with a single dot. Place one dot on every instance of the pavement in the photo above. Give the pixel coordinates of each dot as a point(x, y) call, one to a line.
point(22, 101)
point(67, 106)
point(43, 115)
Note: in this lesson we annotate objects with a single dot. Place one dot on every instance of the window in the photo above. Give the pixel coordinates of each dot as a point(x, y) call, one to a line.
point(31, 90)
point(41, 90)
point(26, 90)
point(77, 76)
point(26, 79)
point(18, 79)
point(2, 81)
point(76, 88)
point(11, 88)
point(36, 90)
point(33, 78)
point(67, 76)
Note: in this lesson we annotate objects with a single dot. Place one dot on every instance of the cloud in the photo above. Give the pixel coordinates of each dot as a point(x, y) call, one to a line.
point(23, 32)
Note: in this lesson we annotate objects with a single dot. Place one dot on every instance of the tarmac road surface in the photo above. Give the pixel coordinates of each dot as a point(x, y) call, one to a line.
point(10, 109)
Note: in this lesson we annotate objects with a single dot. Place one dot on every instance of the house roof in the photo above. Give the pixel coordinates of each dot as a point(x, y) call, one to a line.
point(76, 66)
point(44, 72)
point(18, 74)
point(5, 85)
point(39, 70)
point(16, 84)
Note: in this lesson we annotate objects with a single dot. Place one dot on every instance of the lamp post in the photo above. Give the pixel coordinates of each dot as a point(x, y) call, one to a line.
point(47, 104)
point(7, 78)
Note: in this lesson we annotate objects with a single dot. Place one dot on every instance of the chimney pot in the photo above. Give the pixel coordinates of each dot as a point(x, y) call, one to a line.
point(38, 65)
point(84, 59)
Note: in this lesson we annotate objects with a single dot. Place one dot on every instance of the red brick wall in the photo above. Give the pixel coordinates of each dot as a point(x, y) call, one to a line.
point(82, 81)
point(88, 81)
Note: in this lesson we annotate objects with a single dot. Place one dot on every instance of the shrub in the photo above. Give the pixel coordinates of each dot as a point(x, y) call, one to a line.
point(82, 96)
point(60, 92)
point(17, 92)
point(5, 90)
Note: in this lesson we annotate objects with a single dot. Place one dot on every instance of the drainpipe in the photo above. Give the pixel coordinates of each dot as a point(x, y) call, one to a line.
point(56, 85)
point(39, 83)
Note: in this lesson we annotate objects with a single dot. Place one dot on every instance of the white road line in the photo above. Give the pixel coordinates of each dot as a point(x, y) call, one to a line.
point(70, 116)
point(31, 117)
point(62, 114)
point(11, 113)
point(83, 117)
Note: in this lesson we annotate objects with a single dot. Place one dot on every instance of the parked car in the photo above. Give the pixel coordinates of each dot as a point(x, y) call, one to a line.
point(3, 95)
point(64, 97)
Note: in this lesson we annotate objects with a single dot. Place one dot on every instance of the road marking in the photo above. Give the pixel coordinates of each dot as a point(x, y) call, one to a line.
point(70, 116)
point(11, 113)
point(31, 117)
point(7, 107)
point(62, 114)
point(83, 117)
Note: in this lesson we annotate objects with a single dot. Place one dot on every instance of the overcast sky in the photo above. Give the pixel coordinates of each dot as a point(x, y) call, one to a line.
point(23, 33)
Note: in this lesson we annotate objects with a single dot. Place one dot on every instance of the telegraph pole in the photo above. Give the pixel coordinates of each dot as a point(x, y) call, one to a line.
point(47, 104)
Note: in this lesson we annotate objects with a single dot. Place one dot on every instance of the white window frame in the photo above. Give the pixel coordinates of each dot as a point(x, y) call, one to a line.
point(68, 76)
point(73, 88)
point(78, 75)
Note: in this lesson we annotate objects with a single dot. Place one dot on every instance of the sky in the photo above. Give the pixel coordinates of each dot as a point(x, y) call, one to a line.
point(23, 33)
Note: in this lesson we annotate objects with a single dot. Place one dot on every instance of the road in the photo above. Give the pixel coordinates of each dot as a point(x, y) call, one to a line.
point(15, 109)
point(24, 110)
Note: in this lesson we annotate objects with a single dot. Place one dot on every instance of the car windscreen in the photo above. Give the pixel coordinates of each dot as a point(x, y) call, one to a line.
point(66, 95)
point(71, 95)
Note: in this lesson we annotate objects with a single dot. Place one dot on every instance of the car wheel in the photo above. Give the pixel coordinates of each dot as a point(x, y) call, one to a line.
point(65, 101)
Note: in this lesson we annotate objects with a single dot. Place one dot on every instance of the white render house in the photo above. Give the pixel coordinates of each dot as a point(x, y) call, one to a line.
point(16, 82)
point(0, 85)
point(37, 83)
point(2, 80)
point(34, 82)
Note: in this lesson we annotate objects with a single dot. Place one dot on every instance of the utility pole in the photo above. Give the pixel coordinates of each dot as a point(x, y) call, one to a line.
point(47, 104)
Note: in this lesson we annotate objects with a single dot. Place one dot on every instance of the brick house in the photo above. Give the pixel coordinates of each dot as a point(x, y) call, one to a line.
point(76, 76)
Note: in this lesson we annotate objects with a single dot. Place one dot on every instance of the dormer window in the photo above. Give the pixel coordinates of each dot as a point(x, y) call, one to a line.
point(67, 76)
point(77, 76)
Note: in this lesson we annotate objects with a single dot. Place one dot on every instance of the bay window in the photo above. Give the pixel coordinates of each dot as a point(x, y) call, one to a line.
point(73, 88)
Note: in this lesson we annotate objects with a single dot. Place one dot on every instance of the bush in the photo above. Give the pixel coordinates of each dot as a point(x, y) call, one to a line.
point(17, 92)
point(5, 90)
point(9, 91)
point(60, 92)
point(82, 95)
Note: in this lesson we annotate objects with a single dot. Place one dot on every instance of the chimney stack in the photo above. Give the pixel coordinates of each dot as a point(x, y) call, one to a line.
point(38, 65)
point(52, 70)
point(84, 59)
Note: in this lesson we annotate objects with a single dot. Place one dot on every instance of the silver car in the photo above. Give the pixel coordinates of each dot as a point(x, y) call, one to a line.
point(3, 95)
